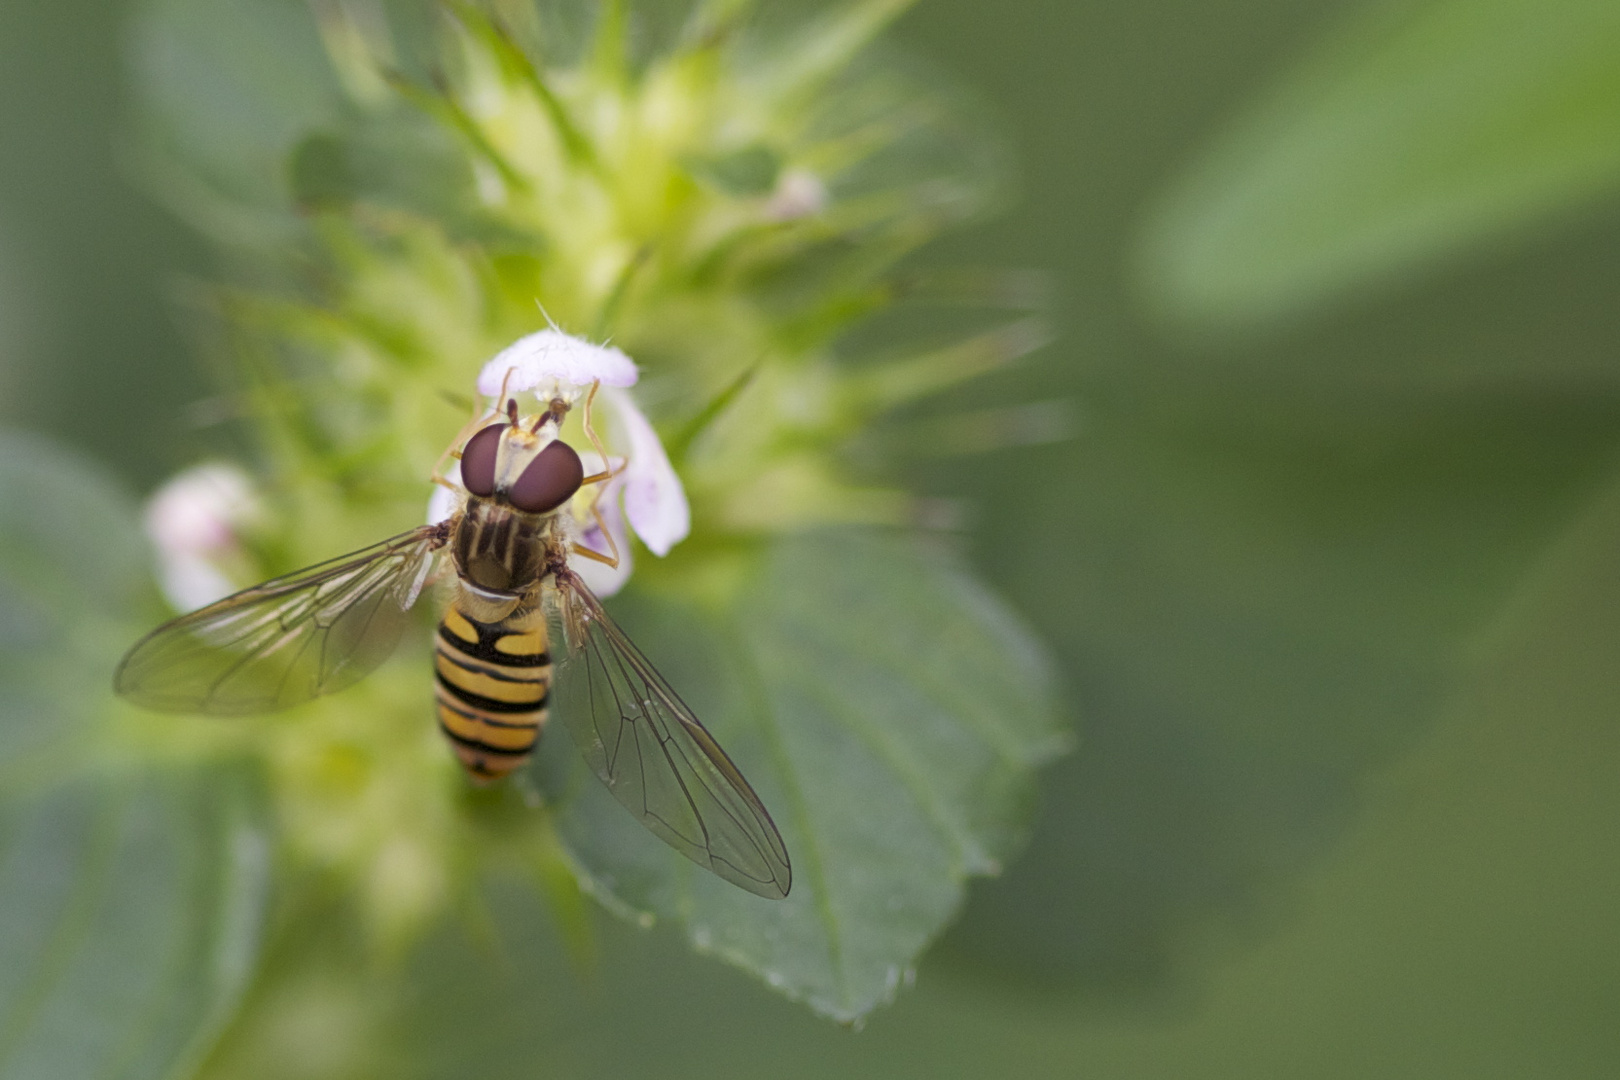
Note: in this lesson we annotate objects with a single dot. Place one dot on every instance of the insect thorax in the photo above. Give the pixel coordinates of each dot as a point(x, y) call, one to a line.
point(502, 549)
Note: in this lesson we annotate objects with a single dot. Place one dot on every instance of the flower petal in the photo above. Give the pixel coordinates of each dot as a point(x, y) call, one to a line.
point(799, 193)
point(444, 501)
point(602, 579)
point(199, 510)
point(193, 522)
point(191, 581)
point(654, 500)
point(551, 357)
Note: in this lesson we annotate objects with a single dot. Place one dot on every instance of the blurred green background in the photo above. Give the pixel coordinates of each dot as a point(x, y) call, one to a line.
point(1330, 565)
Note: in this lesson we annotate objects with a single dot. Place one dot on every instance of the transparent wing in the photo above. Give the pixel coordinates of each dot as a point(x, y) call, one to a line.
point(652, 753)
point(286, 641)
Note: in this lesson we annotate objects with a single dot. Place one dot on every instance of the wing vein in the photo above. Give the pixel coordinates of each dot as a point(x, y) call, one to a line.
point(286, 641)
point(654, 755)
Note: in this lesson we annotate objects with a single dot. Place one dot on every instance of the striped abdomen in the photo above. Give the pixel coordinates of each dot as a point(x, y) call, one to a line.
point(493, 680)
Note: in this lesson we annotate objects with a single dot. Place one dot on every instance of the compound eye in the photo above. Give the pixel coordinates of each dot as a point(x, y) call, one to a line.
point(549, 481)
point(478, 461)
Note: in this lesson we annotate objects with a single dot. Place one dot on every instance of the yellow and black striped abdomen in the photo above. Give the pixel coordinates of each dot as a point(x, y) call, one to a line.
point(491, 688)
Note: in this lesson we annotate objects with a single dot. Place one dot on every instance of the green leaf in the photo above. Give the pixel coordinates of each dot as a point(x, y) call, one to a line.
point(1266, 595)
point(752, 170)
point(65, 528)
point(1408, 136)
point(890, 712)
point(129, 921)
point(130, 902)
point(71, 560)
point(227, 89)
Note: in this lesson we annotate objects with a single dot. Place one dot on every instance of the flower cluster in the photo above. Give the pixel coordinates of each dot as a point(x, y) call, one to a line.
point(723, 204)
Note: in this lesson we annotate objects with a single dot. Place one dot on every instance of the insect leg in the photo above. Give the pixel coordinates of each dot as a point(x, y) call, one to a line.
point(596, 556)
point(453, 451)
point(613, 545)
point(596, 441)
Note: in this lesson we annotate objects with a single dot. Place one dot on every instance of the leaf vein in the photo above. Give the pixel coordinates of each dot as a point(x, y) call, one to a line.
point(1004, 743)
point(969, 851)
point(810, 851)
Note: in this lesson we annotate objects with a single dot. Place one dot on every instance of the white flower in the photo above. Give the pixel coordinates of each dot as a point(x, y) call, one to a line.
point(799, 193)
point(654, 500)
point(552, 363)
point(645, 492)
point(446, 500)
point(193, 521)
point(602, 579)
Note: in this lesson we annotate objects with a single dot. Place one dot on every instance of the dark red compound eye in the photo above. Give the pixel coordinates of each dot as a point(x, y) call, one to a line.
point(478, 461)
point(549, 481)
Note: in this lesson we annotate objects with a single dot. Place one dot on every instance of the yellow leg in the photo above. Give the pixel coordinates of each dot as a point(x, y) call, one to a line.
point(598, 478)
point(590, 433)
point(453, 451)
point(595, 556)
point(613, 545)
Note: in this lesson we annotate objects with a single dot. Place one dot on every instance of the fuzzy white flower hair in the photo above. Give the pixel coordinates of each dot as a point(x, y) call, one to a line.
point(551, 362)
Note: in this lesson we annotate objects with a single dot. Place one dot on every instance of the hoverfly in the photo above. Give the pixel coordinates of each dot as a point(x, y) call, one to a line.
point(323, 628)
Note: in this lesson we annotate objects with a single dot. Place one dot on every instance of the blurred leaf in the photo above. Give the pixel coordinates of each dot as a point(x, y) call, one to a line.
point(65, 527)
point(130, 904)
point(72, 561)
point(318, 1002)
point(322, 175)
point(131, 912)
point(1413, 132)
point(228, 87)
point(750, 171)
point(1265, 597)
point(891, 714)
